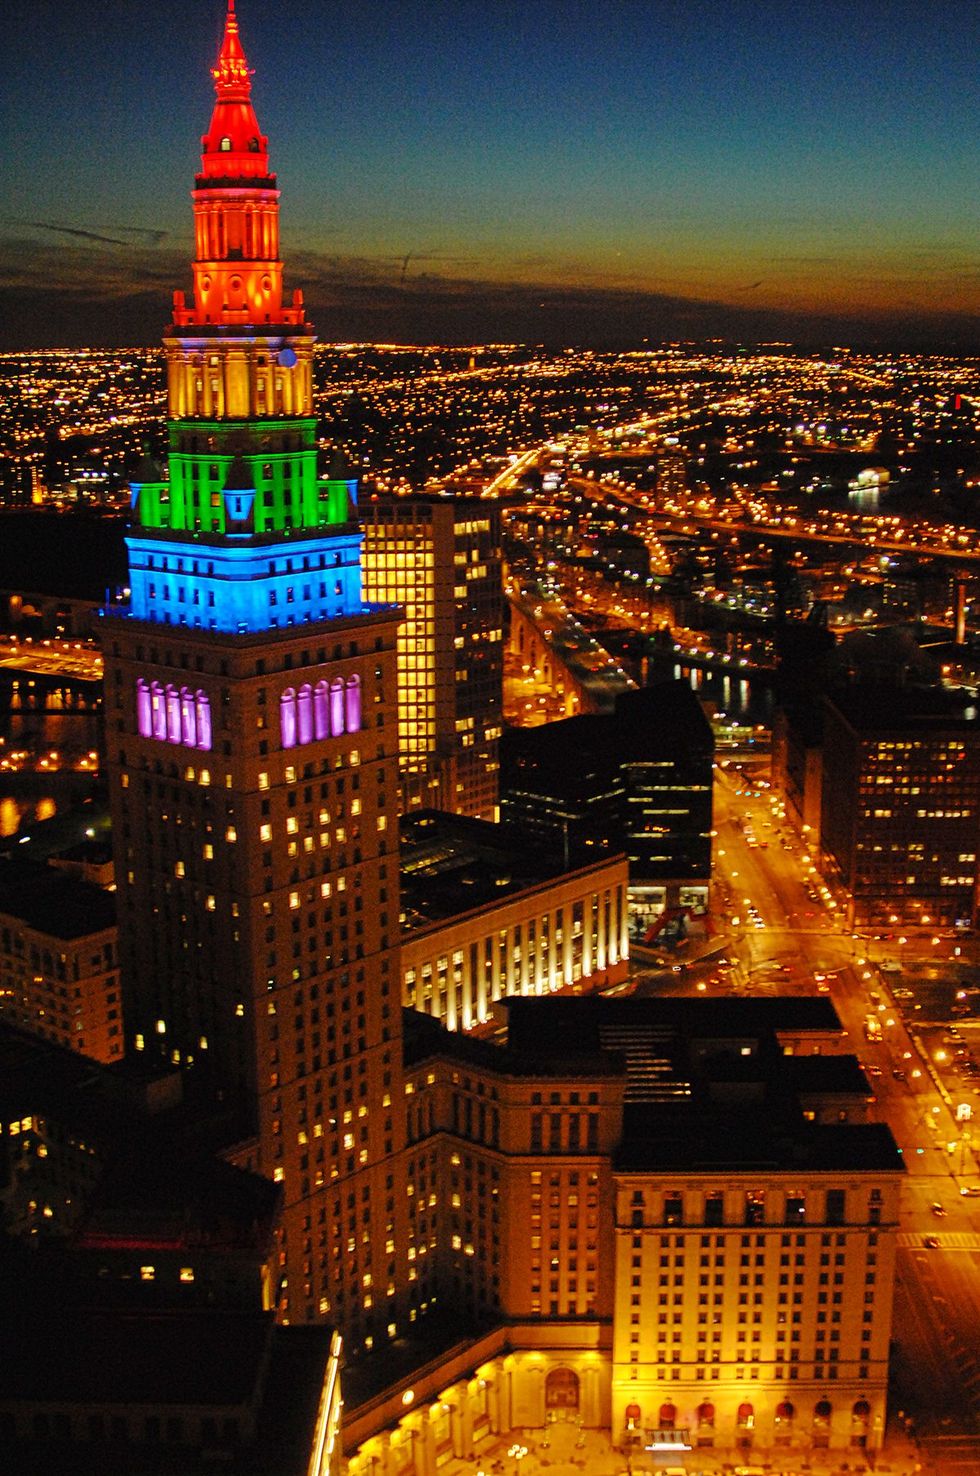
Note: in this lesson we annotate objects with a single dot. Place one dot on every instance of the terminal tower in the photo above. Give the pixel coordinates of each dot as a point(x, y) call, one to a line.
point(251, 727)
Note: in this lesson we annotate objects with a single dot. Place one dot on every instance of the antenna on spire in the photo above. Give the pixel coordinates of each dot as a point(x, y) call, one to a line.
point(232, 73)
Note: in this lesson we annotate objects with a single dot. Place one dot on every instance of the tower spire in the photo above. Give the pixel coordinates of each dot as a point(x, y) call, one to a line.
point(232, 75)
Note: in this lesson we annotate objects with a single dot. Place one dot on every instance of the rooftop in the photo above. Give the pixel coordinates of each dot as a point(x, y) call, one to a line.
point(879, 709)
point(664, 721)
point(161, 1181)
point(54, 902)
point(451, 864)
point(708, 1085)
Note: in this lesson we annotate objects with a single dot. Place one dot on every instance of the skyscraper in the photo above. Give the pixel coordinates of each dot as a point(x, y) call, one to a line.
point(252, 755)
point(439, 558)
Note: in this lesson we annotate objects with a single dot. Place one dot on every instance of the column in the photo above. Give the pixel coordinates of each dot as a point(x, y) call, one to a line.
point(600, 960)
point(588, 942)
point(466, 1002)
point(624, 929)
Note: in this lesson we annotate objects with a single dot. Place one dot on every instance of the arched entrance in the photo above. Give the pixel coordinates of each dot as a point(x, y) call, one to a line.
point(860, 1415)
point(668, 1416)
point(634, 1417)
point(785, 1414)
point(822, 1412)
point(705, 1416)
point(744, 1426)
point(561, 1389)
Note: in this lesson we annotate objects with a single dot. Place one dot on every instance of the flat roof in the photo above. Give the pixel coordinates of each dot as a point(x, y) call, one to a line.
point(739, 1140)
point(211, 1359)
point(452, 864)
point(874, 708)
point(543, 1024)
point(161, 1180)
point(53, 901)
point(663, 723)
point(707, 1084)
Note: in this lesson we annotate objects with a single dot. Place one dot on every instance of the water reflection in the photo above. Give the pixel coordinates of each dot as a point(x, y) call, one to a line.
point(743, 700)
point(22, 809)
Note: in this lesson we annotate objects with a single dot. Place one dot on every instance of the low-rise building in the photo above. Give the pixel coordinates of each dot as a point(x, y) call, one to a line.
point(59, 965)
point(140, 1277)
point(485, 915)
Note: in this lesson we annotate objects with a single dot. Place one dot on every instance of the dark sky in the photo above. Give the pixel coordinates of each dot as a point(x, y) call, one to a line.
point(481, 169)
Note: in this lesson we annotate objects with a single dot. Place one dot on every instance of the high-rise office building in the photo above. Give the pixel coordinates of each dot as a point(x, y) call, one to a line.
point(439, 558)
point(637, 780)
point(252, 755)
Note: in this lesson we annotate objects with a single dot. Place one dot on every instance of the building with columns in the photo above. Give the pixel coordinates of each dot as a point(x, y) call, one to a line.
point(677, 1212)
point(485, 915)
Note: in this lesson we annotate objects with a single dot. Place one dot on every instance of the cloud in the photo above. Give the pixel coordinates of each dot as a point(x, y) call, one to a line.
point(44, 225)
point(91, 291)
point(153, 236)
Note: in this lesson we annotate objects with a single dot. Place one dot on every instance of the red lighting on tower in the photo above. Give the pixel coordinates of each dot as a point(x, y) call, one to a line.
point(237, 271)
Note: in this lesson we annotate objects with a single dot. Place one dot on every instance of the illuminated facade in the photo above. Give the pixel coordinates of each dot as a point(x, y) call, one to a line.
point(252, 751)
point(252, 735)
point(678, 1228)
point(485, 916)
point(439, 559)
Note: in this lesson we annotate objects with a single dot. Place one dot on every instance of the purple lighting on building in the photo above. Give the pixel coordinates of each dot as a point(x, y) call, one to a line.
point(323, 711)
point(173, 715)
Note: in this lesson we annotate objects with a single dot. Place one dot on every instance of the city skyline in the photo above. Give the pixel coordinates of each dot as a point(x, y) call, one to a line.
point(455, 175)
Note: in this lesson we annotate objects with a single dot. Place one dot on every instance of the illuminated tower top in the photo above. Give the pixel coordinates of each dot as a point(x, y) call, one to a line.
point(234, 127)
point(242, 536)
point(237, 271)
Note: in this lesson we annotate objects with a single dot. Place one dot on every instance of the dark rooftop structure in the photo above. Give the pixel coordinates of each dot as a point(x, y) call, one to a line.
point(708, 1083)
point(451, 864)
point(139, 1330)
point(636, 780)
point(878, 708)
point(53, 901)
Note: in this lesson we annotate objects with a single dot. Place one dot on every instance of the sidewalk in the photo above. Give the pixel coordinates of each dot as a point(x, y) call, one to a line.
point(564, 1449)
